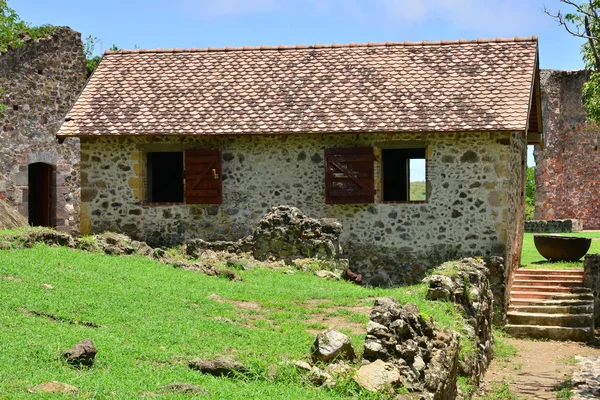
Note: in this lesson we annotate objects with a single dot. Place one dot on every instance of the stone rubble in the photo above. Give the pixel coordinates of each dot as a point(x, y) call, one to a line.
point(81, 354)
point(332, 345)
point(425, 358)
point(218, 367)
point(586, 379)
point(55, 387)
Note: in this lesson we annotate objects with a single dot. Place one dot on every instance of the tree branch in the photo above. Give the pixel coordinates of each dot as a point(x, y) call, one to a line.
point(592, 44)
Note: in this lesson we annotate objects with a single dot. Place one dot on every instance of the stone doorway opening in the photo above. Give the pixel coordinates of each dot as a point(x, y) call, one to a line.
point(42, 195)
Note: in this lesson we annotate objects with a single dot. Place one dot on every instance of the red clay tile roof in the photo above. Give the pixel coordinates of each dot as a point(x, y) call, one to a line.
point(477, 85)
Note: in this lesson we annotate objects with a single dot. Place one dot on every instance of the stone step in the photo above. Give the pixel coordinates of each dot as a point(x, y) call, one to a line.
point(549, 332)
point(552, 278)
point(553, 288)
point(542, 302)
point(546, 282)
point(543, 319)
point(515, 295)
point(587, 308)
point(547, 272)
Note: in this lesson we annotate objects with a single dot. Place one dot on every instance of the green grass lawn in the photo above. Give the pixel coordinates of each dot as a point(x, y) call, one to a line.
point(153, 319)
point(531, 258)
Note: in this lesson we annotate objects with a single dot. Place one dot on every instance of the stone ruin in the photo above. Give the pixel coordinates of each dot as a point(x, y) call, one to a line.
point(286, 234)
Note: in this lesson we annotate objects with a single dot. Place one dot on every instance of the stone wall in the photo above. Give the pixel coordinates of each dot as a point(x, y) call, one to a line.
point(473, 207)
point(554, 226)
point(568, 165)
point(41, 81)
point(591, 269)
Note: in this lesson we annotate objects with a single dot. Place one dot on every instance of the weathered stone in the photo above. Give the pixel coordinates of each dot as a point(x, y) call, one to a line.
point(332, 345)
point(425, 359)
point(219, 367)
point(377, 375)
point(285, 233)
point(568, 163)
point(182, 387)
point(10, 217)
point(81, 354)
point(554, 226)
point(324, 274)
point(41, 80)
point(55, 387)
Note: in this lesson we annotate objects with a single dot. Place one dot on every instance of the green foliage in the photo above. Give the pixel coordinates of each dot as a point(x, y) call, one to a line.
point(13, 30)
point(92, 60)
point(530, 194)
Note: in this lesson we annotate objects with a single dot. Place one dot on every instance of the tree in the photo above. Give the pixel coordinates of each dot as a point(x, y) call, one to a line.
point(584, 22)
point(13, 29)
point(530, 194)
point(92, 60)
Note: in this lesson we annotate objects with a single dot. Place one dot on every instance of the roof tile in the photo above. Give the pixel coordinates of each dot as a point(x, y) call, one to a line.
point(442, 86)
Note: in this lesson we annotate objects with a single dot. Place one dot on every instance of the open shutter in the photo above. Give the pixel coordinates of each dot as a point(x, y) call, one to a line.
point(349, 175)
point(203, 184)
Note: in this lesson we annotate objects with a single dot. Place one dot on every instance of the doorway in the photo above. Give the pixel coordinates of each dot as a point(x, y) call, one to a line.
point(42, 199)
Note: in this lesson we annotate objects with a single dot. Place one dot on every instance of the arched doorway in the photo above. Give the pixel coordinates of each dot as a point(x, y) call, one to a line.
point(42, 198)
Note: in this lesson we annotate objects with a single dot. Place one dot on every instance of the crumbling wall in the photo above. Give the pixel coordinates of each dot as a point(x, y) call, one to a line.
point(568, 166)
point(41, 81)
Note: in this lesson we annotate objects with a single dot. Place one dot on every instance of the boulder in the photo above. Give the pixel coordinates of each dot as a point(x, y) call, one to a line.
point(332, 345)
point(81, 354)
point(55, 387)
point(286, 233)
point(218, 367)
point(377, 375)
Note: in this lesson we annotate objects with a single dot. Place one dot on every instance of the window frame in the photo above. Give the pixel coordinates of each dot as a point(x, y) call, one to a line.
point(381, 171)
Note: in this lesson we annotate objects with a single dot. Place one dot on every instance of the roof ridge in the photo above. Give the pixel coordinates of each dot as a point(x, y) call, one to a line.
point(328, 46)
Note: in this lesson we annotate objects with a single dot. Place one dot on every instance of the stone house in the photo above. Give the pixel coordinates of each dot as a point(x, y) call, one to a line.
point(40, 81)
point(568, 162)
point(178, 144)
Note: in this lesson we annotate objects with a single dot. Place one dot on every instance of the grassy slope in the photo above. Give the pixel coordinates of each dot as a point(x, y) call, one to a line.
point(156, 318)
point(530, 258)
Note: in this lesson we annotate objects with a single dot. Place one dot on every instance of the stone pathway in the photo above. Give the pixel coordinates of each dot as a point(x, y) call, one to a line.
point(586, 378)
point(541, 367)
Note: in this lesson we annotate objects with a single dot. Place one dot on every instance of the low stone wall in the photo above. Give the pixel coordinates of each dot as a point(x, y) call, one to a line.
point(466, 283)
point(425, 358)
point(554, 226)
point(591, 268)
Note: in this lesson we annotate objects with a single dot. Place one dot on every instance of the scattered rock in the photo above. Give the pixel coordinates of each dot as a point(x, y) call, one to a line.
point(332, 345)
point(9, 217)
point(319, 377)
point(323, 274)
point(181, 387)
point(47, 286)
point(55, 387)
point(49, 237)
point(377, 375)
point(219, 367)
point(302, 365)
point(348, 275)
point(81, 354)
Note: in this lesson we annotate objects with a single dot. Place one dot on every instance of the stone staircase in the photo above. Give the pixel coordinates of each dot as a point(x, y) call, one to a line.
point(550, 304)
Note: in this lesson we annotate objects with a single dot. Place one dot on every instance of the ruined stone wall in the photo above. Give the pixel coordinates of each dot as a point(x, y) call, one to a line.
point(468, 213)
point(41, 81)
point(568, 167)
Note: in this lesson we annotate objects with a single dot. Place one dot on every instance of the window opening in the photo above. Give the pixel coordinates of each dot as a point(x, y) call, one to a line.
point(165, 177)
point(404, 175)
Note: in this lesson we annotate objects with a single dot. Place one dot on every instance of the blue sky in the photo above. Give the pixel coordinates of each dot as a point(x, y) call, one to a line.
point(218, 23)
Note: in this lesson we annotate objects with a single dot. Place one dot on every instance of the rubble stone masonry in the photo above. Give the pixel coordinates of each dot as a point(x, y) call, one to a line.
point(40, 82)
point(568, 166)
point(475, 201)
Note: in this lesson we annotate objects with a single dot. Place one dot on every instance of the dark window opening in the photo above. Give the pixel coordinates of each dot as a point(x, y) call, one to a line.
point(41, 195)
point(16, 107)
point(404, 175)
point(40, 71)
point(165, 177)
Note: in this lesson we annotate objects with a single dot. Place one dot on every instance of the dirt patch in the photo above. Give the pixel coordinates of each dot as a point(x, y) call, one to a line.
point(55, 318)
point(12, 278)
point(335, 323)
point(246, 305)
point(539, 368)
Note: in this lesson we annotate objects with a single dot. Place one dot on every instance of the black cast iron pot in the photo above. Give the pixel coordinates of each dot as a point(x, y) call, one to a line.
point(562, 248)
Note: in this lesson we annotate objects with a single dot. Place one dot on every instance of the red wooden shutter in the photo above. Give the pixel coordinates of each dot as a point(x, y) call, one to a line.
point(203, 184)
point(349, 175)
